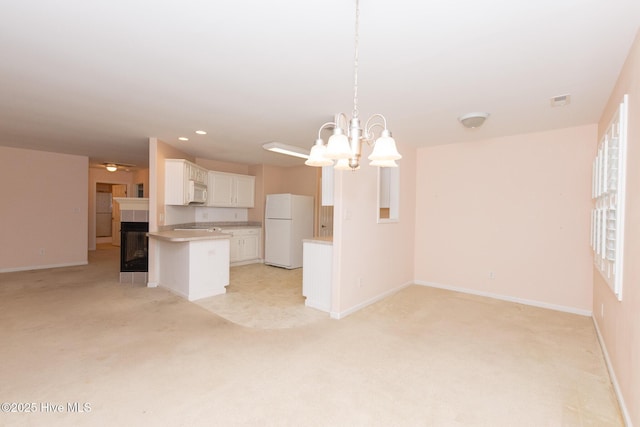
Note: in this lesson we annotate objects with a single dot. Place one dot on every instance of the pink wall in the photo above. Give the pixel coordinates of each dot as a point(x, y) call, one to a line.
point(517, 206)
point(370, 259)
point(619, 321)
point(44, 207)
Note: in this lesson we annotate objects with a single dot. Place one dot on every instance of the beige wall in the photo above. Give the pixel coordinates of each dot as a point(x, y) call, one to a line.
point(516, 206)
point(370, 259)
point(219, 166)
point(159, 151)
point(619, 321)
point(141, 177)
point(44, 206)
point(257, 213)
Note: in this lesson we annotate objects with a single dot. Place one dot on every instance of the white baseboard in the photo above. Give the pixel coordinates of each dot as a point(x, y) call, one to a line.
point(614, 379)
point(42, 267)
point(533, 303)
point(345, 313)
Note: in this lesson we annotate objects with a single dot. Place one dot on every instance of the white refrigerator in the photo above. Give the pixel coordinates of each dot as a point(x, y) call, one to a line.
point(288, 220)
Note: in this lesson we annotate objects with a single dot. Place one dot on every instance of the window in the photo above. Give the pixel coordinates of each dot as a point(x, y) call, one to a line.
point(608, 191)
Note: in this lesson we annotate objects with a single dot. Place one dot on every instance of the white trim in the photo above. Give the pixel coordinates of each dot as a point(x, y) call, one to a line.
point(133, 203)
point(42, 267)
point(533, 303)
point(343, 314)
point(612, 374)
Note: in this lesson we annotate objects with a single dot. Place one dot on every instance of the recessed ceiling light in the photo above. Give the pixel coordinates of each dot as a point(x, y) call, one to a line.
point(182, 138)
point(201, 132)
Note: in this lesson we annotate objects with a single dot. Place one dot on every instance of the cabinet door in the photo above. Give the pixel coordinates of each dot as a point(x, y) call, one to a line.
point(176, 178)
point(250, 247)
point(245, 191)
point(220, 189)
point(234, 249)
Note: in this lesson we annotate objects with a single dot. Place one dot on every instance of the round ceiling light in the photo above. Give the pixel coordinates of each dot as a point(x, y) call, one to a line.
point(111, 167)
point(473, 120)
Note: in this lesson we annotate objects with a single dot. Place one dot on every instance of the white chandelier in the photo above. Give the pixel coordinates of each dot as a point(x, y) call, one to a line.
point(345, 145)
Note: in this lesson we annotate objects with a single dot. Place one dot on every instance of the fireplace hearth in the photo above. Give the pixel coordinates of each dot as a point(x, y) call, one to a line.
point(134, 259)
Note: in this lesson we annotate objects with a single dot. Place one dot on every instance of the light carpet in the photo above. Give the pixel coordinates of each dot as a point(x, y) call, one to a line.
point(421, 357)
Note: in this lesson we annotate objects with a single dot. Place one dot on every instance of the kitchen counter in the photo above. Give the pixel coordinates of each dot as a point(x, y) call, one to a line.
point(192, 263)
point(237, 226)
point(317, 271)
point(321, 240)
point(187, 235)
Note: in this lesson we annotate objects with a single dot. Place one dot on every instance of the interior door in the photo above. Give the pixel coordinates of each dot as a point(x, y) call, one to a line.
point(117, 190)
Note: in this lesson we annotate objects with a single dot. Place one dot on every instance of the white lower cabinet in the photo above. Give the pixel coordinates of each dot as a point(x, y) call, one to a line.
point(316, 274)
point(245, 245)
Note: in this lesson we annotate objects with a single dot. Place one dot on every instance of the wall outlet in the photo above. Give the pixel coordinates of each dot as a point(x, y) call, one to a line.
point(41, 251)
point(359, 282)
point(492, 275)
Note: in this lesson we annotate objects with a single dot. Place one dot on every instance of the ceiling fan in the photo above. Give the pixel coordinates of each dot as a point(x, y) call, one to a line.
point(112, 167)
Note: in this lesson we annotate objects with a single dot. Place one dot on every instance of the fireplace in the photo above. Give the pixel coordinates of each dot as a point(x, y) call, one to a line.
point(134, 246)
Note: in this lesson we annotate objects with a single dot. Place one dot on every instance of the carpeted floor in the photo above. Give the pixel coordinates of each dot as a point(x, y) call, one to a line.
point(422, 357)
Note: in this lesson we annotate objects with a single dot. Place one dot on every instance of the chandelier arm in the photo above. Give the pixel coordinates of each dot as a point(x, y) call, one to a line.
point(325, 126)
point(368, 128)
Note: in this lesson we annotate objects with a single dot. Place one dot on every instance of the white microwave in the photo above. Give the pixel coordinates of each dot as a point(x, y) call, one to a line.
point(196, 193)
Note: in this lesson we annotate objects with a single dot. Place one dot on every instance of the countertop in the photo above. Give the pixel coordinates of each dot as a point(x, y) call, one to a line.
point(320, 240)
point(187, 235)
point(236, 226)
point(226, 225)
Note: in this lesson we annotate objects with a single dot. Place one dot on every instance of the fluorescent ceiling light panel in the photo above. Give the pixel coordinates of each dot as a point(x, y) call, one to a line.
point(289, 150)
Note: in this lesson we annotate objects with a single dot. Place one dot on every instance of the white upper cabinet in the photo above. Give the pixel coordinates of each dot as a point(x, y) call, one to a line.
point(245, 191)
point(183, 180)
point(221, 189)
point(231, 190)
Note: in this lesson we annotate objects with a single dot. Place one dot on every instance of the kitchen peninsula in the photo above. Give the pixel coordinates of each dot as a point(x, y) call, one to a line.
point(192, 263)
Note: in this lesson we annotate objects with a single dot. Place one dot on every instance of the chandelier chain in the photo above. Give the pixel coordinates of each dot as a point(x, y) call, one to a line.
point(355, 63)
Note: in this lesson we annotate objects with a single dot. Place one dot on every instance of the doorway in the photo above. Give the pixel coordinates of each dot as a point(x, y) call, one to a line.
point(108, 212)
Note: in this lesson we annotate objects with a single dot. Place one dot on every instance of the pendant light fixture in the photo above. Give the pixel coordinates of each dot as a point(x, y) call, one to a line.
point(345, 145)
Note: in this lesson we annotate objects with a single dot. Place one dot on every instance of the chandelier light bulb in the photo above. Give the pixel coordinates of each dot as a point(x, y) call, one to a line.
point(317, 156)
point(338, 145)
point(385, 148)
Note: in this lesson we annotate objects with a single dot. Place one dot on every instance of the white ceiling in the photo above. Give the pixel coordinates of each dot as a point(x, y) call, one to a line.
point(99, 77)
